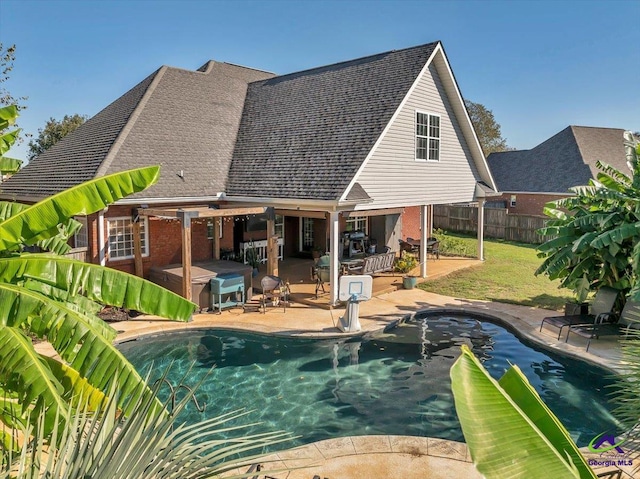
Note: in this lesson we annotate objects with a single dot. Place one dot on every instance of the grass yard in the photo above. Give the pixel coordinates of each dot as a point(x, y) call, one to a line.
point(506, 276)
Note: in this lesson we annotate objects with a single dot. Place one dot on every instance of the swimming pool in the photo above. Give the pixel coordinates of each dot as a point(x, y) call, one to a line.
point(388, 383)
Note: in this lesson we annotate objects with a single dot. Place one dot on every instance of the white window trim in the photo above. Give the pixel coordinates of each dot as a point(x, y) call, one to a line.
point(145, 249)
point(82, 234)
point(356, 220)
point(210, 223)
point(415, 137)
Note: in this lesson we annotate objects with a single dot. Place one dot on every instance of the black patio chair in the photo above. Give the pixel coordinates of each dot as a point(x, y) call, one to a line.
point(602, 305)
point(607, 326)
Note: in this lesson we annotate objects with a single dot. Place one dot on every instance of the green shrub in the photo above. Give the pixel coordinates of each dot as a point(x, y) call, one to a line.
point(452, 246)
point(405, 263)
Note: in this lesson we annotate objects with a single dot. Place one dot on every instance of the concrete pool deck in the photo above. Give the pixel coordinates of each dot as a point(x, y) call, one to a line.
point(379, 456)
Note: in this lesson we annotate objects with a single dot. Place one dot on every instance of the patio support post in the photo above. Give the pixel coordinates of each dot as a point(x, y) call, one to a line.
point(272, 244)
point(216, 238)
point(185, 221)
point(481, 229)
point(334, 248)
point(424, 234)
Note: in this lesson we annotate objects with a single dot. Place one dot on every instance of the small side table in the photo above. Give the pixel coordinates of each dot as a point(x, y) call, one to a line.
point(227, 291)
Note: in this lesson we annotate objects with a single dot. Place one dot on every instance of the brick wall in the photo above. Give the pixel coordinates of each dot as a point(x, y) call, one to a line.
point(411, 222)
point(528, 204)
point(165, 241)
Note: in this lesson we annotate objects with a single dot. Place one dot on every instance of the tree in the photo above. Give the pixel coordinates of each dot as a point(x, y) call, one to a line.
point(597, 231)
point(7, 57)
point(53, 132)
point(54, 298)
point(487, 129)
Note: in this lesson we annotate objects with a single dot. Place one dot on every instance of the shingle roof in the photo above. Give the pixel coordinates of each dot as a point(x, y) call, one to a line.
point(189, 127)
point(566, 159)
point(185, 121)
point(305, 135)
point(77, 157)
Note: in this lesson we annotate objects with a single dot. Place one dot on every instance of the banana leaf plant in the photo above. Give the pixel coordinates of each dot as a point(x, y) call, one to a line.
point(597, 231)
point(55, 298)
point(509, 430)
point(8, 115)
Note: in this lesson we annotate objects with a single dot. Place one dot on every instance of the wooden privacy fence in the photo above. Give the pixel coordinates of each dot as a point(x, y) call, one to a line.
point(497, 223)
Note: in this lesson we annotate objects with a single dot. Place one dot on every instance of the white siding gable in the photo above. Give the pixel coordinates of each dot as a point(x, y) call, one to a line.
point(394, 178)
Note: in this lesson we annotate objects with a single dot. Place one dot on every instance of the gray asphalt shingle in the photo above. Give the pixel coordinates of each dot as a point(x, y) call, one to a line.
point(565, 160)
point(305, 135)
point(226, 128)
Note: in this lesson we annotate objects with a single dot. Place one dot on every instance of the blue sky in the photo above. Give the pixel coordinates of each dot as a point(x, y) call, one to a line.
point(538, 65)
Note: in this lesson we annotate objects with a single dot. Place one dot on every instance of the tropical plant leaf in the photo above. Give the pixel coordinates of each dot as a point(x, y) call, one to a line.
point(75, 302)
point(79, 339)
point(83, 199)
point(9, 165)
point(617, 235)
point(10, 208)
point(24, 370)
point(8, 116)
point(500, 426)
point(6, 141)
point(76, 388)
point(104, 285)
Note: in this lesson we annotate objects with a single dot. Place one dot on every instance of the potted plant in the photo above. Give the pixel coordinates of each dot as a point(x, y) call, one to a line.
point(405, 264)
point(251, 257)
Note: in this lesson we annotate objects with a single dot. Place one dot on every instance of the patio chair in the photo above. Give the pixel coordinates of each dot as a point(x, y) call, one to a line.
point(602, 305)
point(274, 291)
point(629, 319)
point(433, 247)
point(320, 272)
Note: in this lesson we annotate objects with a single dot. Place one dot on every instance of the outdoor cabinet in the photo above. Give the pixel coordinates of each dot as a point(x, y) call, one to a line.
point(227, 290)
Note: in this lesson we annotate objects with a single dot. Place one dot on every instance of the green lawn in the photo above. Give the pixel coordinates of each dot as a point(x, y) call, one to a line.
point(505, 276)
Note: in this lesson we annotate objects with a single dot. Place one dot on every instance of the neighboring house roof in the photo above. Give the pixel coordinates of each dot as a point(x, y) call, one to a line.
point(565, 160)
point(305, 135)
point(185, 121)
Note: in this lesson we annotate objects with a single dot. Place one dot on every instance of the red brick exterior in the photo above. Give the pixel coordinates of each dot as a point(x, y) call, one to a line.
point(411, 222)
point(528, 203)
point(165, 241)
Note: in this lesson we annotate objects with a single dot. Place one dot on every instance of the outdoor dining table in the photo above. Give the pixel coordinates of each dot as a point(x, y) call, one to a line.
point(415, 244)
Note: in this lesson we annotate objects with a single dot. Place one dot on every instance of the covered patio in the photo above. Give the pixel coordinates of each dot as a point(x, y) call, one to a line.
point(297, 272)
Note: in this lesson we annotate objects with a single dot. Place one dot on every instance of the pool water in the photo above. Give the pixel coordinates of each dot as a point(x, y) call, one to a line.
point(389, 383)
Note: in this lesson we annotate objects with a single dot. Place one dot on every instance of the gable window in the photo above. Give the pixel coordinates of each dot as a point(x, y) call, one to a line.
point(120, 242)
point(427, 136)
